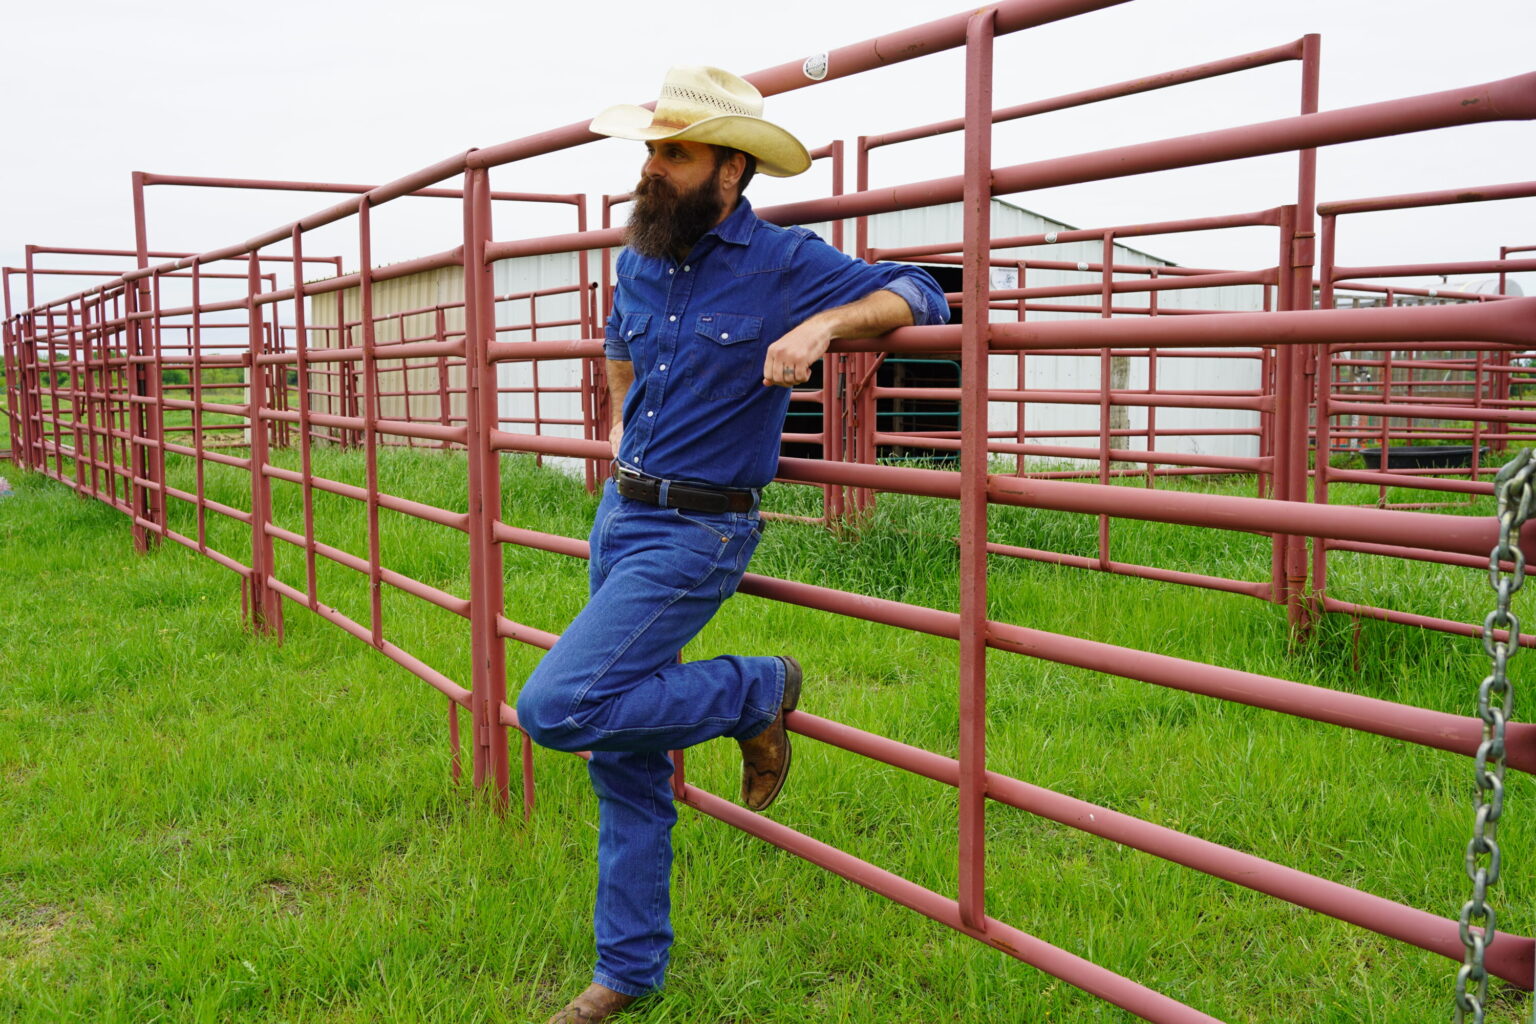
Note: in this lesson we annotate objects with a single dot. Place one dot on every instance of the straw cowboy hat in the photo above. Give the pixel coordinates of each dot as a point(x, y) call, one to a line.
point(704, 104)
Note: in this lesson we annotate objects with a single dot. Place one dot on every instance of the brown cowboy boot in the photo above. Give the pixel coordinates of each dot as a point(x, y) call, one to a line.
point(597, 1003)
point(765, 757)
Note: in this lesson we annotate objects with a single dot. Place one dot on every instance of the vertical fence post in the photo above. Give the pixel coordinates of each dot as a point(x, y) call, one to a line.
point(444, 405)
point(1151, 411)
point(1285, 412)
point(55, 414)
point(603, 411)
point(1385, 422)
point(1107, 367)
point(157, 416)
point(370, 414)
point(487, 598)
point(306, 441)
point(147, 503)
point(975, 337)
point(39, 377)
point(118, 387)
point(95, 384)
point(834, 380)
point(32, 381)
point(861, 408)
point(77, 357)
point(1479, 379)
point(1265, 484)
point(105, 382)
point(199, 452)
point(15, 381)
point(14, 395)
point(280, 400)
point(264, 606)
point(339, 400)
point(1021, 378)
point(586, 315)
point(21, 344)
point(31, 389)
point(1324, 387)
point(1501, 387)
point(48, 415)
point(138, 417)
point(1301, 608)
point(102, 484)
point(533, 374)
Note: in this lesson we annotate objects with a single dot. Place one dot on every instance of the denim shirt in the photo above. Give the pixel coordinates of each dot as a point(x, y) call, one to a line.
point(697, 333)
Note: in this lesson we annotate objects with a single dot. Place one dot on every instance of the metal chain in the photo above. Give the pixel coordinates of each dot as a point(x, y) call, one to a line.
point(1495, 705)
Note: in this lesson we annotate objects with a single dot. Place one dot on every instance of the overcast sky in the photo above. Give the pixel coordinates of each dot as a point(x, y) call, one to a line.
point(317, 90)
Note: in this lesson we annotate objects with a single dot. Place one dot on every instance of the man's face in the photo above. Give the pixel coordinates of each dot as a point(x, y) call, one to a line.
point(687, 165)
point(679, 197)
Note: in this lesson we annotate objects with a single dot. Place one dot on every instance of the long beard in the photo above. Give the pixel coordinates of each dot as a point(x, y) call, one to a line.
point(665, 223)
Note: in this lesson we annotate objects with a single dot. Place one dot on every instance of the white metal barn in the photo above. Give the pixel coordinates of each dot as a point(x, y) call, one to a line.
point(545, 290)
point(1043, 372)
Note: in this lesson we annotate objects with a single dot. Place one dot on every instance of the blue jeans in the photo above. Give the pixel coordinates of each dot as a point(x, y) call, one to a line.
point(613, 685)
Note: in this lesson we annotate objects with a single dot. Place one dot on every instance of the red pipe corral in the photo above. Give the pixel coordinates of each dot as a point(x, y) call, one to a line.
point(1336, 361)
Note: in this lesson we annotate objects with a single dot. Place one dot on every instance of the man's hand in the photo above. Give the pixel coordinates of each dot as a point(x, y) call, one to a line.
point(788, 361)
point(615, 435)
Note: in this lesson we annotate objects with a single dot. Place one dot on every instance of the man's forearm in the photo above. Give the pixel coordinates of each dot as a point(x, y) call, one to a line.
point(788, 360)
point(873, 315)
point(621, 375)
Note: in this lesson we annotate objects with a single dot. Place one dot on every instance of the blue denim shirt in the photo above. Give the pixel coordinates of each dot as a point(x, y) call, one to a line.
point(697, 332)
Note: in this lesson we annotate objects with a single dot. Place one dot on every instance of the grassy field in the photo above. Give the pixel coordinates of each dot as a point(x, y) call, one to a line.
point(201, 825)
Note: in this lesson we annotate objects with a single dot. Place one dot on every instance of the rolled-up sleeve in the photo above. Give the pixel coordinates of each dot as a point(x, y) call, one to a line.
point(826, 277)
point(614, 345)
point(921, 293)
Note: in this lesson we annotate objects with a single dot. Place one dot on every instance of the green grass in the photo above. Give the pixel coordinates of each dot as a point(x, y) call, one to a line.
point(202, 825)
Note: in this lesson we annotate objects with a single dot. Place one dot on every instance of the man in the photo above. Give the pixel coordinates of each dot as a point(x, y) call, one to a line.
point(716, 316)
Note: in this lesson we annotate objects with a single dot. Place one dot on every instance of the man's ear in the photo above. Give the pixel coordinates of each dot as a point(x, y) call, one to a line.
point(731, 171)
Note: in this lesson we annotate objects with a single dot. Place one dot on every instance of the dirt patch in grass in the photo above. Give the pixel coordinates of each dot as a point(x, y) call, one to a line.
point(29, 934)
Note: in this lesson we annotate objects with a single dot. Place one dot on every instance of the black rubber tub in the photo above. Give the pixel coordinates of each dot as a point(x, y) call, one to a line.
point(1421, 456)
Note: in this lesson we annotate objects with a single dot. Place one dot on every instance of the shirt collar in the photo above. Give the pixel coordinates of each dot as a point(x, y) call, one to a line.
point(737, 228)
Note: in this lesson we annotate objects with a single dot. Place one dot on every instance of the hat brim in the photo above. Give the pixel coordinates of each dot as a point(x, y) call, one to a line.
point(778, 153)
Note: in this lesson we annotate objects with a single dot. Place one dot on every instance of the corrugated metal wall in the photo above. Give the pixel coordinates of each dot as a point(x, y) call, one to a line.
point(416, 381)
point(1054, 373)
point(519, 319)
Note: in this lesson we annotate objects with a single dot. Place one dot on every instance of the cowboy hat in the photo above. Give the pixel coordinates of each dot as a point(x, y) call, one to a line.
point(704, 104)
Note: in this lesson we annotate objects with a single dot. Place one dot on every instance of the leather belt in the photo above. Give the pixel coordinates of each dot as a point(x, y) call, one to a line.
point(675, 494)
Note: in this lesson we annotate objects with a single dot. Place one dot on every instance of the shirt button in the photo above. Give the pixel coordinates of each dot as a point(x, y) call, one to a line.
point(670, 318)
point(663, 366)
point(724, 335)
point(686, 268)
point(671, 270)
point(650, 412)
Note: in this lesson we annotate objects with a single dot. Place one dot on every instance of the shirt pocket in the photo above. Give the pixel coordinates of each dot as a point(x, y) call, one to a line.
point(633, 325)
point(727, 356)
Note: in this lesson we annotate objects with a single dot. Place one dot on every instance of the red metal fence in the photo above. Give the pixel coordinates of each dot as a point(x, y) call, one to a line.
point(254, 355)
